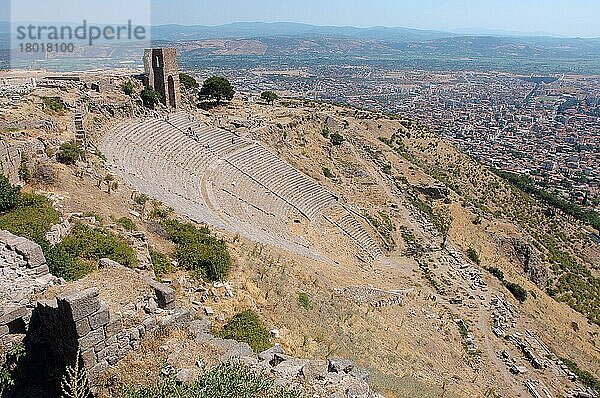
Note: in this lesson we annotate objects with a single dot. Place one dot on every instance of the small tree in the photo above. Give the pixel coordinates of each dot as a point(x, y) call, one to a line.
point(337, 139)
point(269, 96)
point(442, 220)
point(150, 97)
point(127, 87)
point(187, 81)
point(218, 88)
point(69, 153)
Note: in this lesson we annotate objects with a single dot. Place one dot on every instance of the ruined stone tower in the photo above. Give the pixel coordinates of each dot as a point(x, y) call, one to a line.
point(162, 72)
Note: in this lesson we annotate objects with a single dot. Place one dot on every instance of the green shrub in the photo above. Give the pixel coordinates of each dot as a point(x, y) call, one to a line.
point(150, 97)
point(24, 172)
point(327, 173)
point(52, 104)
point(127, 87)
point(247, 327)
point(198, 251)
point(89, 243)
point(63, 265)
point(9, 194)
point(304, 301)
point(497, 272)
point(269, 96)
point(517, 291)
point(9, 371)
point(69, 153)
point(141, 199)
point(588, 379)
point(337, 139)
point(127, 223)
point(160, 263)
point(325, 132)
point(187, 81)
point(31, 218)
point(227, 380)
point(473, 255)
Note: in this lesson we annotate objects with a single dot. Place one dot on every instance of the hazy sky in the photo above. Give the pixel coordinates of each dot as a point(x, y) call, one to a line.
point(561, 17)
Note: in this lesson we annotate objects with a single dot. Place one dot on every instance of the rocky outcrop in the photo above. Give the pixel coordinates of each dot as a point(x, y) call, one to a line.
point(333, 377)
point(23, 273)
point(437, 192)
point(526, 255)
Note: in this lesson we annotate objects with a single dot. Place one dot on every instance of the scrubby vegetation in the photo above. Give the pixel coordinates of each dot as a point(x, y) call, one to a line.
point(517, 290)
point(269, 96)
point(88, 243)
point(150, 97)
point(51, 104)
point(198, 251)
point(69, 153)
point(187, 81)
point(247, 327)
point(9, 372)
point(304, 301)
point(473, 255)
point(127, 223)
point(526, 184)
point(31, 217)
point(229, 380)
point(160, 263)
point(9, 195)
point(127, 87)
point(337, 139)
point(497, 272)
point(588, 379)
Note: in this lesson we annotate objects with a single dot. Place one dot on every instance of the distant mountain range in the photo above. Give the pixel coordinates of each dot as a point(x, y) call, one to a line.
point(429, 47)
point(244, 30)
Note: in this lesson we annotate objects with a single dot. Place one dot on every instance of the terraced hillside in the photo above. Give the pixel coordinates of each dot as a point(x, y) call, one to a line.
point(222, 179)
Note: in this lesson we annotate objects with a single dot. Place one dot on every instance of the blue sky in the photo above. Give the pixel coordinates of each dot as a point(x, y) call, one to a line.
point(560, 17)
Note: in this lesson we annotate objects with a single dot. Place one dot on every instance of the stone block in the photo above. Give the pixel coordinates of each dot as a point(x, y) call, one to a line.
point(134, 334)
point(97, 370)
point(165, 296)
point(3, 331)
point(181, 318)
point(237, 351)
point(114, 326)
point(100, 318)
point(80, 304)
point(91, 339)
point(340, 365)
point(41, 270)
point(315, 370)
point(32, 252)
point(100, 346)
point(290, 369)
point(82, 327)
point(13, 313)
point(149, 324)
point(269, 354)
point(88, 357)
point(199, 326)
point(108, 352)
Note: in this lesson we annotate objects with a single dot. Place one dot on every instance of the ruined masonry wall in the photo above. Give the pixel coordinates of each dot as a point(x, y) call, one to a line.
point(23, 273)
point(81, 322)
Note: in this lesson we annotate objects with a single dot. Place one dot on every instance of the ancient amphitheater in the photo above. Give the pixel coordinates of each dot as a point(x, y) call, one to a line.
point(217, 177)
